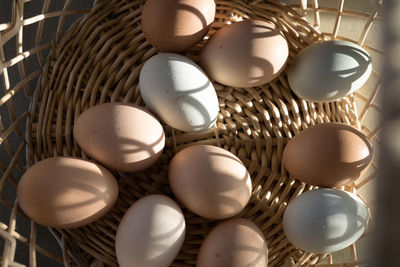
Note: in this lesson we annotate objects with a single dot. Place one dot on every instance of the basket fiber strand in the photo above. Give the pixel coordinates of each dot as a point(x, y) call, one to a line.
point(98, 59)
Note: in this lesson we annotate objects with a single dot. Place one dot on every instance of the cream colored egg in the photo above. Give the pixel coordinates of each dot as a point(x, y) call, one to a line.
point(234, 243)
point(151, 233)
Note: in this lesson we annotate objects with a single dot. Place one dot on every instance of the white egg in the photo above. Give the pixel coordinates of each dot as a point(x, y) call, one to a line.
point(151, 233)
point(325, 220)
point(179, 92)
point(328, 71)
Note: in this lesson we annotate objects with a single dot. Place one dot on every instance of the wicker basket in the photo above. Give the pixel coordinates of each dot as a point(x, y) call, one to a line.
point(46, 84)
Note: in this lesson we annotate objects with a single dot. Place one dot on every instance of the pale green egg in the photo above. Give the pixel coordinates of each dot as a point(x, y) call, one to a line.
point(328, 71)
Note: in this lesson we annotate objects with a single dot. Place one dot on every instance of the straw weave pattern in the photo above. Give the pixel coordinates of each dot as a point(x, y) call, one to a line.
point(98, 59)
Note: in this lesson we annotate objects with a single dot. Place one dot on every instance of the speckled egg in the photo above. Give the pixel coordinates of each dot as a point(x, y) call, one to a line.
point(325, 220)
point(245, 54)
point(178, 91)
point(124, 137)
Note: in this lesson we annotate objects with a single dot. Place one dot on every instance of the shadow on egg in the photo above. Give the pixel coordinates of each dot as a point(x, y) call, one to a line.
point(190, 101)
point(325, 220)
point(183, 7)
point(159, 244)
point(259, 253)
point(210, 183)
point(151, 232)
point(259, 68)
point(245, 54)
point(232, 193)
point(185, 39)
point(234, 242)
point(334, 208)
point(168, 33)
point(345, 78)
point(194, 105)
point(251, 254)
point(329, 71)
point(134, 154)
point(76, 200)
point(356, 168)
point(229, 157)
point(132, 146)
point(346, 171)
point(328, 155)
point(193, 114)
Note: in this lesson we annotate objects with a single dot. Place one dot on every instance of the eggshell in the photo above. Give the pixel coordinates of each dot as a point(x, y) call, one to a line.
point(330, 70)
point(245, 54)
point(123, 137)
point(64, 192)
point(328, 154)
point(210, 181)
point(179, 92)
point(234, 243)
point(151, 233)
point(176, 25)
point(325, 220)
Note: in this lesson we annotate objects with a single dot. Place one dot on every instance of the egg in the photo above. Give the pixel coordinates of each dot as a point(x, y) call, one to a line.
point(328, 71)
point(179, 92)
point(151, 233)
point(176, 25)
point(325, 220)
point(124, 137)
point(328, 155)
point(210, 181)
point(245, 54)
point(65, 192)
point(234, 243)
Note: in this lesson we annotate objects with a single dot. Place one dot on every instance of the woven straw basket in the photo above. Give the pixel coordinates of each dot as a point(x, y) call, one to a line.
point(95, 56)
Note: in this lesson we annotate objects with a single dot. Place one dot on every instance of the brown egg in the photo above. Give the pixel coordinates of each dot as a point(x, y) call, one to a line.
point(123, 137)
point(328, 155)
point(66, 192)
point(245, 54)
point(234, 243)
point(176, 25)
point(210, 181)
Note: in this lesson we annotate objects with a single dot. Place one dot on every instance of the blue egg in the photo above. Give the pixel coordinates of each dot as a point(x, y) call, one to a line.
point(330, 70)
point(325, 220)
